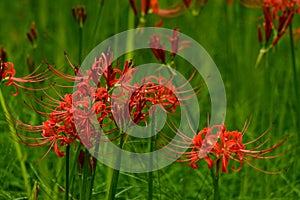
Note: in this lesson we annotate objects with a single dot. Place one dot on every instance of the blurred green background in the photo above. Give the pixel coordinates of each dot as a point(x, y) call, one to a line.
point(228, 33)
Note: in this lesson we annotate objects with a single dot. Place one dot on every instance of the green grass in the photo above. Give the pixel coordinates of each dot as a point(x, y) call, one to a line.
point(228, 33)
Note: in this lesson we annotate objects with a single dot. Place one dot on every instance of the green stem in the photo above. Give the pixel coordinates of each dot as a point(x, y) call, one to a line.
point(74, 168)
point(158, 180)
point(215, 177)
point(150, 173)
point(67, 171)
point(117, 27)
point(116, 172)
point(84, 185)
point(93, 178)
point(294, 72)
point(18, 148)
point(80, 46)
point(130, 38)
point(95, 167)
point(98, 20)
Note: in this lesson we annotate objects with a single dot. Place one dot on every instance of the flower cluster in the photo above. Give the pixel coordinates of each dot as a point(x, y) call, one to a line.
point(71, 118)
point(278, 16)
point(217, 146)
point(93, 96)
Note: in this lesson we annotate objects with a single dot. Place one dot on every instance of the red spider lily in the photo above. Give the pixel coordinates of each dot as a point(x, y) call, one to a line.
point(49, 135)
point(278, 15)
point(229, 146)
point(7, 73)
point(92, 97)
point(153, 90)
point(57, 131)
point(150, 94)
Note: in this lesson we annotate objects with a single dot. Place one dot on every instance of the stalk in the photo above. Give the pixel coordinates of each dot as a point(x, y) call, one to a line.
point(83, 191)
point(93, 178)
point(18, 148)
point(158, 179)
point(116, 28)
point(294, 68)
point(215, 177)
point(94, 169)
point(80, 46)
point(72, 174)
point(130, 38)
point(150, 173)
point(67, 171)
point(99, 17)
point(116, 171)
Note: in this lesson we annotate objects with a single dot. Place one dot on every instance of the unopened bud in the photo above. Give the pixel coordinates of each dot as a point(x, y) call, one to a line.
point(33, 31)
point(79, 15)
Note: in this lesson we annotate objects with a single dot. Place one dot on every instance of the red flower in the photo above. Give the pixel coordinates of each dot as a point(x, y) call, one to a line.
point(278, 15)
point(228, 147)
point(92, 97)
point(7, 73)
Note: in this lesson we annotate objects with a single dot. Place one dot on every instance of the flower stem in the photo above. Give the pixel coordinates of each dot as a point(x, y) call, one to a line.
point(94, 168)
point(67, 171)
point(116, 172)
point(215, 177)
point(150, 173)
point(13, 132)
point(294, 72)
point(80, 46)
point(130, 38)
point(74, 168)
point(98, 20)
point(84, 185)
point(93, 178)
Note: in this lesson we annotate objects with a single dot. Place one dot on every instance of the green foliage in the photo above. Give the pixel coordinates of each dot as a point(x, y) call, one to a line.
point(228, 32)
